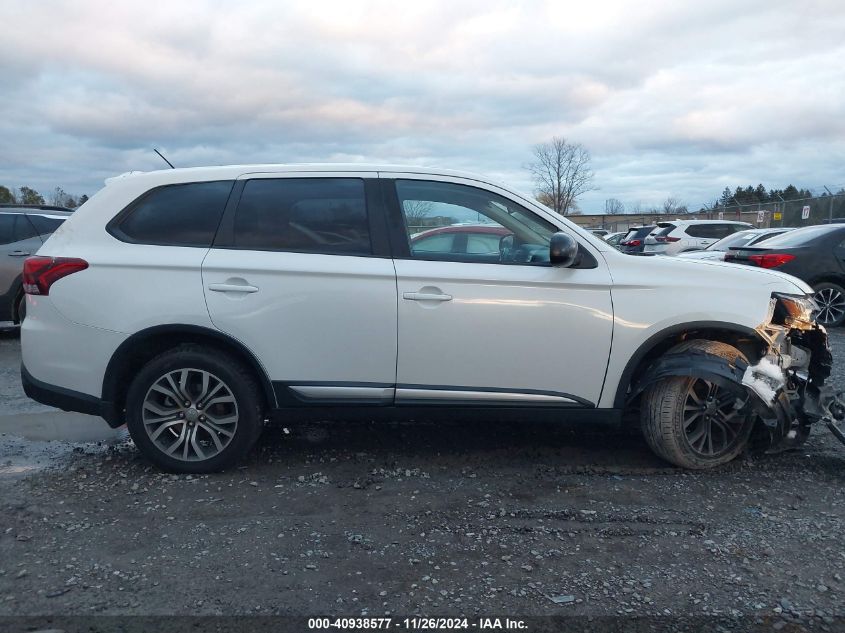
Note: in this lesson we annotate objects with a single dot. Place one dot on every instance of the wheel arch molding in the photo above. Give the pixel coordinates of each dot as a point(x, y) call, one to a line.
point(660, 342)
point(144, 345)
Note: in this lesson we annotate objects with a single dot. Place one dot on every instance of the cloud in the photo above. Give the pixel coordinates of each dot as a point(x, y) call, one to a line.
point(670, 98)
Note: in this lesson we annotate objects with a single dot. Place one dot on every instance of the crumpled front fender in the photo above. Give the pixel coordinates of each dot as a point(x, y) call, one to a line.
point(695, 364)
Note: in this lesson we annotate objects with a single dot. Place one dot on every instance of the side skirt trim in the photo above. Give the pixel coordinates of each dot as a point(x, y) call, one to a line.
point(311, 393)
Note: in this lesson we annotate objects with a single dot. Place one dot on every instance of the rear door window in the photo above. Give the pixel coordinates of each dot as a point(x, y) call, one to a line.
point(45, 224)
point(7, 228)
point(303, 215)
point(14, 227)
point(174, 215)
point(483, 243)
point(707, 231)
point(437, 243)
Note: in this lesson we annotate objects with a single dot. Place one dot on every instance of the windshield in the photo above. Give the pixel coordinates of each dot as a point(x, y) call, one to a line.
point(737, 240)
point(801, 237)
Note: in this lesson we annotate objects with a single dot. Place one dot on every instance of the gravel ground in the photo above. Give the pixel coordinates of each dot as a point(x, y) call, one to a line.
point(434, 520)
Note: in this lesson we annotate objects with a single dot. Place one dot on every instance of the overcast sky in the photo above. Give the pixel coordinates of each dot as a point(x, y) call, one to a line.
point(671, 98)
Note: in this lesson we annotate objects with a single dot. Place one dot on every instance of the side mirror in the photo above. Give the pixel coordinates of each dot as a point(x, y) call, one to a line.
point(563, 250)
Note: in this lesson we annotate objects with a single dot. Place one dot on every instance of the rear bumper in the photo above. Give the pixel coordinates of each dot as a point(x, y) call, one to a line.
point(65, 399)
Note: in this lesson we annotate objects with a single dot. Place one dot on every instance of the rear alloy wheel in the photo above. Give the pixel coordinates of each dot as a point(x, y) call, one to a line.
point(831, 301)
point(190, 414)
point(194, 410)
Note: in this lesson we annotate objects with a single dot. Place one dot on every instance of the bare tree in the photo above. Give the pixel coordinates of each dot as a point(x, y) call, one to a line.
point(561, 173)
point(674, 205)
point(57, 197)
point(416, 212)
point(613, 206)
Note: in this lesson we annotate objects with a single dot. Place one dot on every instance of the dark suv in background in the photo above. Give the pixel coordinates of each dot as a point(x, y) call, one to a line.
point(634, 242)
point(815, 254)
point(23, 228)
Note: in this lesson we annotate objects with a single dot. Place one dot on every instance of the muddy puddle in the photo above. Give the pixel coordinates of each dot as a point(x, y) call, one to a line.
point(30, 442)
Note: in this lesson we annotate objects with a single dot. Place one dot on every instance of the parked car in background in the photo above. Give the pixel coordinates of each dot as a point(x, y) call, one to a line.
point(717, 250)
point(814, 254)
point(599, 232)
point(614, 238)
point(678, 236)
point(23, 228)
point(634, 241)
point(460, 239)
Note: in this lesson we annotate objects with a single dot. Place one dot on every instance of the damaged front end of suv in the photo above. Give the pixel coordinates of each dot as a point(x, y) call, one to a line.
point(787, 382)
point(768, 388)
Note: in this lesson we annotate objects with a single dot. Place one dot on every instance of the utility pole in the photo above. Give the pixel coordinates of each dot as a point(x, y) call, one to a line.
point(830, 211)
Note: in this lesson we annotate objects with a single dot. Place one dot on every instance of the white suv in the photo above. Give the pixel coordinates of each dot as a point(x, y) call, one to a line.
point(198, 305)
point(671, 238)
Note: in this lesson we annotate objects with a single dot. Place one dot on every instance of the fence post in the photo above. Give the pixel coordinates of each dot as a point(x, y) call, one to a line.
point(830, 209)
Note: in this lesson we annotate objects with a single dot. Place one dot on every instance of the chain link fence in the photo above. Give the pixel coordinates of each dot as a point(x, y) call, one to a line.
point(803, 212)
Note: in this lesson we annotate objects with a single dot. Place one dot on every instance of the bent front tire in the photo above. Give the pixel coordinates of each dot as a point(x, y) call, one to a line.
point(695, 423)
point(194, 410)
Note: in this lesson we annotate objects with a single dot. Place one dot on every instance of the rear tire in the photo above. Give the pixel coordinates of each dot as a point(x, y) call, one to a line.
point(831, 300)
point(691, 422)
point(194, 409)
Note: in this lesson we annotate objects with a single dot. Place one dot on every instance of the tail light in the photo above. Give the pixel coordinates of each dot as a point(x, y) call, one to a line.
point(665, 239)
point(39, 273)
point(632, 243)
point(771, 260)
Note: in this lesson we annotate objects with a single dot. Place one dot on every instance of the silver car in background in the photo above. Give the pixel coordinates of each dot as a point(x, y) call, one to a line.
point(23, 229)
point(717, 251)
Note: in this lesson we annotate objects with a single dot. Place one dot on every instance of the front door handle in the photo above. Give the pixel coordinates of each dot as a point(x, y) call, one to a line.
point(426, 296)
point(232, 288)
point(18, 254)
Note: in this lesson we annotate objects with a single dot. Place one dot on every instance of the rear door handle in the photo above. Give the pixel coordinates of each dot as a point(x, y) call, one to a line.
point(232, 288)
point(426, 296)
point(18, 254)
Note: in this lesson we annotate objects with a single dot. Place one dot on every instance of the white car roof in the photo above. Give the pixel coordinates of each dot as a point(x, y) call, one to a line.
point(689, 222)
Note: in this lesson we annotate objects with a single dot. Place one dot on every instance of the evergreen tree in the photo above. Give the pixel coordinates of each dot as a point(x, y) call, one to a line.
point(30, 196)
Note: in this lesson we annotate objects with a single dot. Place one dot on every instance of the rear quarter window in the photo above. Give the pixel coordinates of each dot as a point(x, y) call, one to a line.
point(14, 227)
point(174, 215)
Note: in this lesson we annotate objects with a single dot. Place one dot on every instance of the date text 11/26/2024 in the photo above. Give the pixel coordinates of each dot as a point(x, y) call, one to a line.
point(417, 624)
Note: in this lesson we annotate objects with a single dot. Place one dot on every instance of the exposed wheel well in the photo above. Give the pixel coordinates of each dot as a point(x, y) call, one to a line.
point(745, 340)
point(143, 346)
